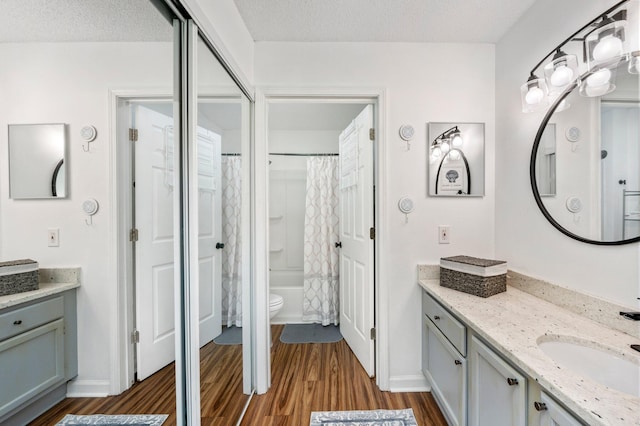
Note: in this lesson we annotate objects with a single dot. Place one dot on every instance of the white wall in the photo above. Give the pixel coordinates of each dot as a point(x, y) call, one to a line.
point(523, 236)
point(424, 82)
point(69, 83)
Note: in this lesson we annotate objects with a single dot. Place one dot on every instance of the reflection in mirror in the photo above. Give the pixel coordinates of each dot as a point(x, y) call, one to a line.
point(36, 161)
point(546, 162)
point(222, 137)
point(597, 175)
point(64, 64)
point(456, 159)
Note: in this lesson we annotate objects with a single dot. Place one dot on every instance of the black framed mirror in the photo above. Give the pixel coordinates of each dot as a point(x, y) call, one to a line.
point(596, 175)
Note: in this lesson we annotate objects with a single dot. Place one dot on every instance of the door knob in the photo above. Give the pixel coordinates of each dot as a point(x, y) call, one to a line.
point(219, 246)
point(339, 244)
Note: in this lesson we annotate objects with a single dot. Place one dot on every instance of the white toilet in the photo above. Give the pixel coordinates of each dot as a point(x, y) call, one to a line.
point(275, 304)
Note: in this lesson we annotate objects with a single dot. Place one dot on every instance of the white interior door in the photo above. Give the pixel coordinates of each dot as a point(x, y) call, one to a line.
point(153, 211)
point(356, 255)
point(209, 235)
point(154, 258)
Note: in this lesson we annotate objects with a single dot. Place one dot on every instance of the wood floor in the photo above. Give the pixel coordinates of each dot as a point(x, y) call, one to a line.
point(326, 377)
point(305, 378)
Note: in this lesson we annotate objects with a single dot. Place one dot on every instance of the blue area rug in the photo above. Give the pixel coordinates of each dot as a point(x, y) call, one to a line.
point(364, 418)
point(310, 333)
point(229, 336)
point(116, 420)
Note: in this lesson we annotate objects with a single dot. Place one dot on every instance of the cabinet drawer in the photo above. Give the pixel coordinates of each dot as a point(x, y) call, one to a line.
point(453, 329)
point(24, 319)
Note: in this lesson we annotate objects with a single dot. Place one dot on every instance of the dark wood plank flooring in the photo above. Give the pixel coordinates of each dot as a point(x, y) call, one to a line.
point(305, 378)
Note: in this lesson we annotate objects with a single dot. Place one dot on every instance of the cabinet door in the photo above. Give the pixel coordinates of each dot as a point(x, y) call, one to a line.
point(552, 414)
point(31, 362)
point(497, 391)
point(446, 371)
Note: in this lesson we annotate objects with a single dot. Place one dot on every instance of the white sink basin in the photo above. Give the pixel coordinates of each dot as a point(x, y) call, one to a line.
point(599, 363)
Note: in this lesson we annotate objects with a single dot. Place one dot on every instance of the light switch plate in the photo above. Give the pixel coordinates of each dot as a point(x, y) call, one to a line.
point(53, 237)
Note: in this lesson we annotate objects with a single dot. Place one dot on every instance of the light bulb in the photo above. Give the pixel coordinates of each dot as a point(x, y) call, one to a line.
point(534, 96)
point(445, 146)
point(436, 152)
point(607, 48)
point(454, 154)
point(561, 76)
point(599, 78)
point(456, 141)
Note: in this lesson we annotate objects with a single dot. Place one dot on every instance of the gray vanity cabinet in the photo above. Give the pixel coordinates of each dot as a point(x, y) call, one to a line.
point(38, 355)
point(497, 392)
point(443, 360)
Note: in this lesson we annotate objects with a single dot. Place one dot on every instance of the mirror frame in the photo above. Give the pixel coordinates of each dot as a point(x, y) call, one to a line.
point(534, 152)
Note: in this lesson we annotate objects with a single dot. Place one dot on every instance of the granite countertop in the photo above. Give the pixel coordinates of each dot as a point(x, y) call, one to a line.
point(513, 321)
point(52, 281)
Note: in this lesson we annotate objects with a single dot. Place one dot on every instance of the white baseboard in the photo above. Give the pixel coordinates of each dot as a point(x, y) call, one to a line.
point(409, 383)
point(88, 388)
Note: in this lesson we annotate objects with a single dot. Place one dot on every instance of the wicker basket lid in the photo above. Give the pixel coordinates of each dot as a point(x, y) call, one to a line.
point(475, 261)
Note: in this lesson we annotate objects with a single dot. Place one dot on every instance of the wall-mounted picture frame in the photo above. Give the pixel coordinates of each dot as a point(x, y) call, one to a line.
point(456, 159)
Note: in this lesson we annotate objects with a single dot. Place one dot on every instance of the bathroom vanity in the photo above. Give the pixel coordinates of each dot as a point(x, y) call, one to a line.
point(484, 361)
point(38, 350)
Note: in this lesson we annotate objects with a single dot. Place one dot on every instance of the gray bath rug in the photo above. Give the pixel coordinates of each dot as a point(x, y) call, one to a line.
point(115, 420)
point(310, 333)
point(364, 418)
point(229, 336)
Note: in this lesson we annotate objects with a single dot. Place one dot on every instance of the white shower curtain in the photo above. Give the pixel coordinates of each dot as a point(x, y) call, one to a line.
point(321, 270)
point(231, 254)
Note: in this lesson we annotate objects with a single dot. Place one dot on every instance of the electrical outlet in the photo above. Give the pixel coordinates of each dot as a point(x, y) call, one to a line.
point(53, 237)
point(444, 234)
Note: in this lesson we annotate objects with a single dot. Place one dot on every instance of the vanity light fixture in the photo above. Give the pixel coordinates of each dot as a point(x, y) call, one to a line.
point(446, 141)
point(603, 45)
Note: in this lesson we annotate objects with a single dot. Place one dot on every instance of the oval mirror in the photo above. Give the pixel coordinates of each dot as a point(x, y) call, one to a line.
point(585, 162)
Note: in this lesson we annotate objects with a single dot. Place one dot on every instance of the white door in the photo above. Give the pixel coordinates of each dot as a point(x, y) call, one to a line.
point(154, 268)
point(356, 255)
point(210, 244)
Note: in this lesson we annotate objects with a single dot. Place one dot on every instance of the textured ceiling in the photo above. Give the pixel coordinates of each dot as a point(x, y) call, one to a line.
point(473, 21)
point(81, 20)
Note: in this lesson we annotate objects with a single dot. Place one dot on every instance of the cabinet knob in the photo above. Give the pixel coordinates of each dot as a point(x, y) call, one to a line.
point(540, 406)
point(458, 362)
point(219, 246)
point(17, 322)
point(436, 317)
point(512, 382)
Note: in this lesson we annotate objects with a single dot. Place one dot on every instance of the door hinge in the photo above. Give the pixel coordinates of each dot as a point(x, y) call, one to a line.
point(372, 134)
point(133, 135)
point(133, 235)
point(135, 336)
point(373, 333)
point(372, 233)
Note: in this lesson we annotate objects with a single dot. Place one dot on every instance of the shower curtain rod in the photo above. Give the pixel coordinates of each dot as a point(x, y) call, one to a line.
point(304, 155)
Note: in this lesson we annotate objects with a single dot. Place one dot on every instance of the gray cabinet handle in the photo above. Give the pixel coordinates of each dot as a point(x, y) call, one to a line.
point(540, 406)
point(512, 382)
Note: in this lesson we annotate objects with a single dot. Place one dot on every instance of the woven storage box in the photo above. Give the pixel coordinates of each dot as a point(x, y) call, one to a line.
point(480, 277)
point(18, 276)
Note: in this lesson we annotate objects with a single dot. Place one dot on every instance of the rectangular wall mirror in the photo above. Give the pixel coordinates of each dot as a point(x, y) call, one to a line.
point(37, 161)
point(456, 159)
